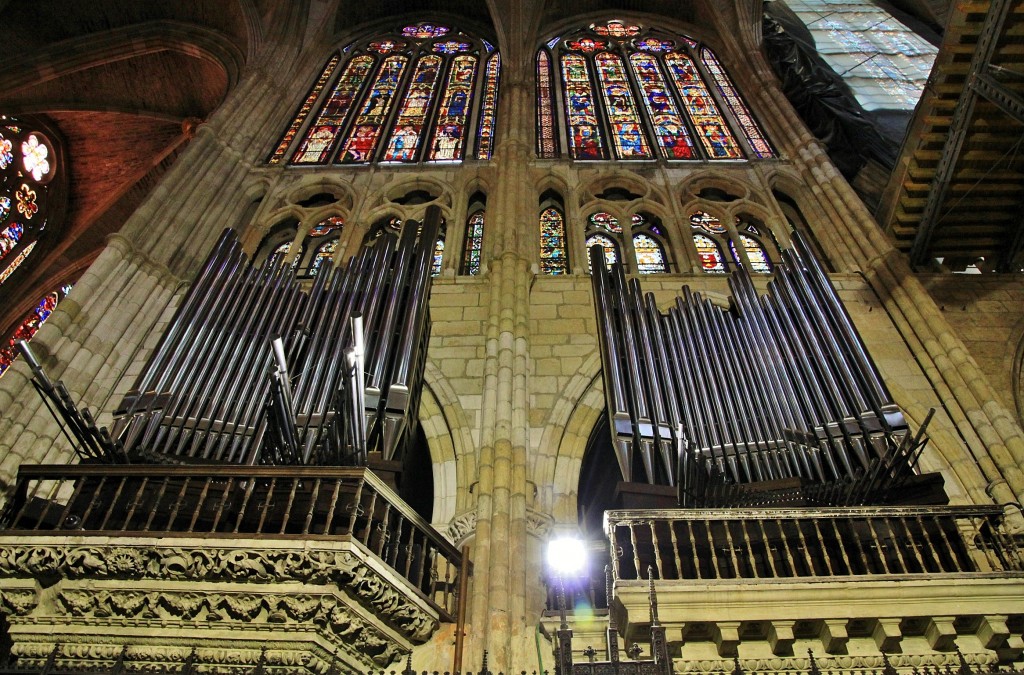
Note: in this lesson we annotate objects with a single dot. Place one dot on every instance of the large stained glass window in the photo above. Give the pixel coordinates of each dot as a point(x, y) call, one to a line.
point(645, 231)
point(30, 326)
point(423, 93)
point(473, 245)
point(554, 258)
point(632, 92)
point(30, 173)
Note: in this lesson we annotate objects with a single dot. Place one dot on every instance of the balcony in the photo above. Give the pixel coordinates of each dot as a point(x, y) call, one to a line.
point(850, 584)
point(320, 565)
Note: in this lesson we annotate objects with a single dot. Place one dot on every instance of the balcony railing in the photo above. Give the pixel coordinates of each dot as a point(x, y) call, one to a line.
point(826, 542)
point(327, 503)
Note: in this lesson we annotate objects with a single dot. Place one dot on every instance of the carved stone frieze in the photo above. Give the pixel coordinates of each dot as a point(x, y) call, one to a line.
point(268, 565)
point(18, 601)
point(855, 663)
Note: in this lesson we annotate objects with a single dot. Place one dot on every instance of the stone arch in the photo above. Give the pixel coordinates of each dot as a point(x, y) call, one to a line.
point(564, 440)
point(450, 439)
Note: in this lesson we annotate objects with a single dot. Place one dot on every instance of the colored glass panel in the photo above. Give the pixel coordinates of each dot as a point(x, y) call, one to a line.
point(584, 133)
point(706, 222)
point(281, 252)
point(637, 219)
point(712, 130)
point(605, 221)
point(611, 249)
point(5, 207)
point(650, 258)
point(30, 326)
point(16, 263)
point(488, 109)
point(435, 266)
point(654, 45)
point(26, 201)
point(553, 41)
point(586, 45)
point(451, 47)
point(739, 109)
point(710, 254)
point(35, 157)
point(756, 254)
point(546, 147)
point(6, 152)
point(553, 257)
point(474, 244)
point(322, 134)
point(450, 129)
point(627, 134)
point(10, 237)
point(323, 256)
point(408, 130)
point(362, 138)
point(303, 112)
point(669, 128)
point(327, 225)
point(386, 46)
point(425, 30)
point(488, 45)
point(616, 29)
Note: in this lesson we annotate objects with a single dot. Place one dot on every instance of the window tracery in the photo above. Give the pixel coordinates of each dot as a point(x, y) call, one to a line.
point(423, 93)
point(630, 92)
point(712, 239)
point(645, 232)
point(28, 165)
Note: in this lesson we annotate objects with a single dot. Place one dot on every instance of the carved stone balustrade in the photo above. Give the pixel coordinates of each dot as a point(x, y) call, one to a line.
point(851, 584)
point(318, 566)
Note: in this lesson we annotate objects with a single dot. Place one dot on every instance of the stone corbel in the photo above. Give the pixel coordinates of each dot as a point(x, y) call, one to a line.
point(834, 636)
point(780, 637)
point(887, 634)
point(941, 633)
point(726, 635)
point(993, 632)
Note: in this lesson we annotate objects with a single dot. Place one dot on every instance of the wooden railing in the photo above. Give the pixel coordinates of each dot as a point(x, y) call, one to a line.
point(238, 501)
point(825, 542)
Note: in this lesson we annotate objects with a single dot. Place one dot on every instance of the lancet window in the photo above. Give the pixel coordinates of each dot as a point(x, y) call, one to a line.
point(554, 256)
point(421, 93)
point(647, 236)
point(630, 92)
point(472, 246)
point(719, 249)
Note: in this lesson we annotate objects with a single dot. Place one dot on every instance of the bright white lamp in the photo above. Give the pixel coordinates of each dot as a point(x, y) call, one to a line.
point(567, 556)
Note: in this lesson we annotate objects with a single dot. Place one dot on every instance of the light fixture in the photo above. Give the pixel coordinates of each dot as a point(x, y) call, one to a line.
point(567, 556)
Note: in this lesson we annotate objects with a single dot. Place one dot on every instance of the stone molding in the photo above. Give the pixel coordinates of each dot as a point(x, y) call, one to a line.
point(83, 589)
point(873, 663)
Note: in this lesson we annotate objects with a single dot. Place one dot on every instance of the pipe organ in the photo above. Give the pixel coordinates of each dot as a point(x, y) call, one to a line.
point(255, 369)
point(773, 399)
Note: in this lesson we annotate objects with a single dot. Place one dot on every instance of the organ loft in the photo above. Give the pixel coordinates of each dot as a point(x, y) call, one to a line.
point(651, 337)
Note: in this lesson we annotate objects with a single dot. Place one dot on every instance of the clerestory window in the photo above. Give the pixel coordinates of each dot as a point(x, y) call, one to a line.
point(621, 90)
point(421, 93)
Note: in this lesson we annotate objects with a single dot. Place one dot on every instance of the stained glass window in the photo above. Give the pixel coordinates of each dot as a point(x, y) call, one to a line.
point(546, 146)
point(324, 254)
point(451, 119)
point(604, 67)
point(405, 139)
point(605, 221)
point(650, 256)
point(706, 222)
point(322, 134)
point(408, 96)
point(627, 135)
point(553, 256)
point(303, 112)
point(584, 132)
point(326, 226)
point(611, 249)
point(732, 99)
point(759, 262)
point(488, 109)
point(435, 266)
point(29, 175)
point(710, 254)
point(30, 326)
point(473, 245)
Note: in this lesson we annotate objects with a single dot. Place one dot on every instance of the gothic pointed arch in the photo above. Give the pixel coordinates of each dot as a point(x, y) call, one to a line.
point(628, 91)
point(419, 93)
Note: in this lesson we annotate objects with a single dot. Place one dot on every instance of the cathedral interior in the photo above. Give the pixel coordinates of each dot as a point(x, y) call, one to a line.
point(516, 336)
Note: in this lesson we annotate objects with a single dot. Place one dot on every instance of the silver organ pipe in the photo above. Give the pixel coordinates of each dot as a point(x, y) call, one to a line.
point(254, 368)
point(776, 392)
